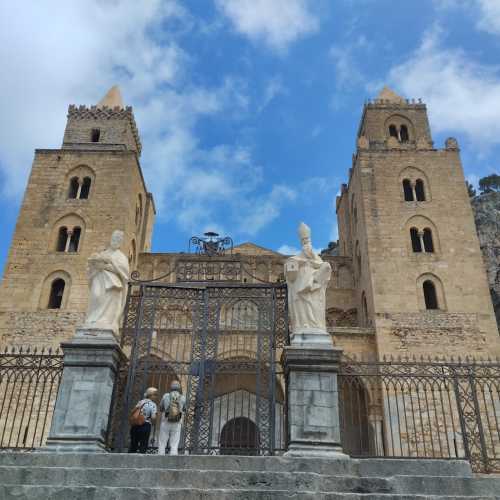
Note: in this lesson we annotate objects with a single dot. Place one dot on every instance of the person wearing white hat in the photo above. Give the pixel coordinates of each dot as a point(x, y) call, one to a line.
point(172, 408)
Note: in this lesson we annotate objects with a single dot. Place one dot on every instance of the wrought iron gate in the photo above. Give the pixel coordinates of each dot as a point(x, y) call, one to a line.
point(219, 341)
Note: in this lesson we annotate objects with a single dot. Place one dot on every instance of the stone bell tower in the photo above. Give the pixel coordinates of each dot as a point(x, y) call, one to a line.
point(406, 221)
point(76, 196)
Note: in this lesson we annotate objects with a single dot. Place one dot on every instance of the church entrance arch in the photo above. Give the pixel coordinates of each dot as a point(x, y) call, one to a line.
point(219, 340)
point(239, 435)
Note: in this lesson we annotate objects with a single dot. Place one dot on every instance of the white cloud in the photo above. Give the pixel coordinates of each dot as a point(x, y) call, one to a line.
point(276, 23)
point(291, 250)
point(344, 57)
point(487, 12)
point(57, 52)
point(288, 250)
point(463, 95)
point(490, 16)
point(259, 212)
point(273, 89)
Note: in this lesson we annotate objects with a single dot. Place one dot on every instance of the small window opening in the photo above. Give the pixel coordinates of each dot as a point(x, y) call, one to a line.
point(419, 190)
point(74, 184)
point(415, 240)
point(430, 295)
point(405, 137)
point(56, 294)
point(365, 310)
point(393, 131)
point(74, 240)
point(95, 135)
point(408, 191)
point(428, 244)
point(61, 239)
point(84, 192)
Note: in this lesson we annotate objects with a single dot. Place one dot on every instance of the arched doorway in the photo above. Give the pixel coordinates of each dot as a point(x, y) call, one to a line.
point(239, 436)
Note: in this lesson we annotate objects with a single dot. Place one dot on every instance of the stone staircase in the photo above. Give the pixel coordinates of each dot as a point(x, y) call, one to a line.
point(53, 476)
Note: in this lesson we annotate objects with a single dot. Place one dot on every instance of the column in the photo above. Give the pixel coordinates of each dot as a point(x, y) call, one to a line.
point(69, 233)
point(313, 402)
point(422, 243)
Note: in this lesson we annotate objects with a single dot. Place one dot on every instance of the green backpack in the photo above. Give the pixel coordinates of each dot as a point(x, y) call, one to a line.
point(174, 412)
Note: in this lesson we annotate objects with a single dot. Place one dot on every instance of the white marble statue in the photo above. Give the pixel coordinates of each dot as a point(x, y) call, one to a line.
point(108, 274)
point(307, 277)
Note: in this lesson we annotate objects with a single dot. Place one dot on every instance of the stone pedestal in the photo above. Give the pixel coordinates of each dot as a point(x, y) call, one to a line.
point(83, 404)
point(313, 403)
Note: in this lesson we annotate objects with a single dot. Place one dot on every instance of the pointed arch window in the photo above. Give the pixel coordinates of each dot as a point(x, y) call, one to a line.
point(74, 188)
point(74, 239)
point(393, 131)
point(416, 243)
point(404, 135)
point(85, 190)
point(430, 295)
point(427, 240)
point(79, 189)
point(419, 190)
point(56, 294)
point(68, 240)
point(408, 190)
point(62, 237)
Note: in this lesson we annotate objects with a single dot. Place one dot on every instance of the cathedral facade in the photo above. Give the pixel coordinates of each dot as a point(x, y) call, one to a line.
point(408, 277)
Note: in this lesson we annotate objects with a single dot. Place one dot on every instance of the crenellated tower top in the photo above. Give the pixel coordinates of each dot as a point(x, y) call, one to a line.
point(107, 125)
point(391, 121)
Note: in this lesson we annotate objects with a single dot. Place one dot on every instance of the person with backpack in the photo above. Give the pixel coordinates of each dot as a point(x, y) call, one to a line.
point(172, 407)
point(141, 419)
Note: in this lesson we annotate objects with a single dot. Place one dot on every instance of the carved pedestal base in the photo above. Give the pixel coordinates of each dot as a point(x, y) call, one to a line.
point(83, 405)
point(311, 337)
point(313, 403)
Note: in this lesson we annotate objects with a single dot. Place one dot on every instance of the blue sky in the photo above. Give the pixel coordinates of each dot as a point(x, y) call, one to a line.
point(247, 109)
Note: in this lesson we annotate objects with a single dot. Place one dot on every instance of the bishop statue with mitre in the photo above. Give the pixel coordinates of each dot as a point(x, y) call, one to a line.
point(307, 277)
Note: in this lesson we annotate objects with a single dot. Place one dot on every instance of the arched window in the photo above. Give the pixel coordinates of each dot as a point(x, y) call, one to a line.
point(416, 243)
point(56, 294)
point(430, 295)
point(403, 131)
point(74, 239)
point(393, 131)
point(408, 191)
point(74, 185)
point(62, 237)
point(95, 135)
point(427, 237)
point(419, 190)
point(85, 190)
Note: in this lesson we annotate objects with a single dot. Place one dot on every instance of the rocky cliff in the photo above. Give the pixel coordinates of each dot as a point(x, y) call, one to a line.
point(487, 214)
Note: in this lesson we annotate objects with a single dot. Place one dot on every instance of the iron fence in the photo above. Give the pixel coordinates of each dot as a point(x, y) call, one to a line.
point(422, 409)
point(219, 341)
point(29, 381)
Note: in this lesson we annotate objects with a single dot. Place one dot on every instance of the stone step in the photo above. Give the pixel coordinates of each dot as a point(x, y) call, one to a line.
point(196, 479)
point(257, 480)
point(365, 467)
point(23, 492)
